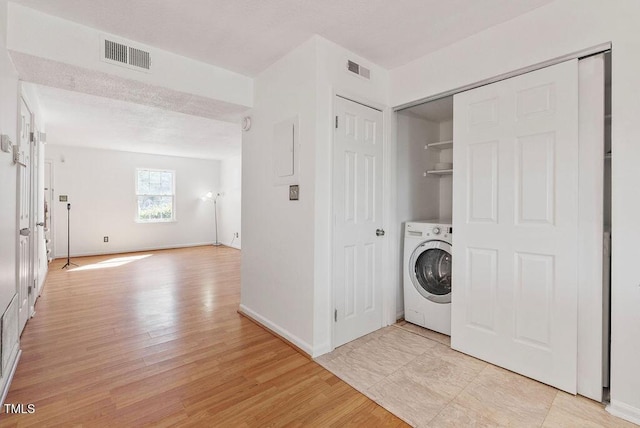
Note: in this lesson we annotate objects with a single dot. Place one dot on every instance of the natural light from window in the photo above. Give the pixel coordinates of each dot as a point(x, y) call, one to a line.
point(111, 263)
point(155, 190)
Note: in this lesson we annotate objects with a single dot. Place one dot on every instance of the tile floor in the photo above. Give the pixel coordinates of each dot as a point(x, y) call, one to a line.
point(413, 373)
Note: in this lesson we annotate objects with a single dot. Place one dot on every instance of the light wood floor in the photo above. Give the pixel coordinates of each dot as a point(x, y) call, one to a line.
point(154, 338)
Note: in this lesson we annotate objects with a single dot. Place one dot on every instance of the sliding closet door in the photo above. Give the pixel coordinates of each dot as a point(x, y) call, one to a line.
point(515, 218)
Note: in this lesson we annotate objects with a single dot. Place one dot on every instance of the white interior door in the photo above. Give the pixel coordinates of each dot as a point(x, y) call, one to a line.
point(24, 222)
point(515, 214)
point(357, 214)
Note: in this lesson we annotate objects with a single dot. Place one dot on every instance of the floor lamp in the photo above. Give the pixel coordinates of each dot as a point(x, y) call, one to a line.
point(68, 264)
point(211, 197)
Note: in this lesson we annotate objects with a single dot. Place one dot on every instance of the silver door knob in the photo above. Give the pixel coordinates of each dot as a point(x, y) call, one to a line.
point(25, 232)
point(379, 232)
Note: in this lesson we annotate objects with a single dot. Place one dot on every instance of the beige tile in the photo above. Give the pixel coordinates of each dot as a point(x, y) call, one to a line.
point(356, 374)
point(429, 334)
point(444, 370)
point(454, 416)
point(419, 390)
point(405, 341)
point(405, 396)
point(368, 360)
point(575, 411)
point(506, 398)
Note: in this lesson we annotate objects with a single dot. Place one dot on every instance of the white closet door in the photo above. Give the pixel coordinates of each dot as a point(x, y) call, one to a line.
point(515, 216)
point(357, 211)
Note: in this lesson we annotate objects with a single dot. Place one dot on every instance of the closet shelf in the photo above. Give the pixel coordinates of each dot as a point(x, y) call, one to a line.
point(439, 172)
point(440, 145)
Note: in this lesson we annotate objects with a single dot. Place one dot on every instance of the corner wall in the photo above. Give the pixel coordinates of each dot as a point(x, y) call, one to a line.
point(100, 185)
point(277, 267)
point(286, 258)
point(231, 203)
point(551, 31)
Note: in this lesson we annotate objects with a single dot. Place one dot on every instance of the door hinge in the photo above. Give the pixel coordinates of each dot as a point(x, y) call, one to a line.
point(336, 122)
point(335, 315)
point(29, 290)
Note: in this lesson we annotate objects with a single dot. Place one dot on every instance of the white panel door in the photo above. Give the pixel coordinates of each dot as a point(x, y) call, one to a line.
point(24, 209)
point(357, 214)
point(515, 214)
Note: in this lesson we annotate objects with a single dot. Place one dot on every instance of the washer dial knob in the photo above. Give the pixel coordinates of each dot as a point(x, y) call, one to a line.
point(436, 230)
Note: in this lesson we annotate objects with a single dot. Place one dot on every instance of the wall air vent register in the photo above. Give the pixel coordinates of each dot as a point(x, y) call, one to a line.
point(119, 53)
point(356, 68)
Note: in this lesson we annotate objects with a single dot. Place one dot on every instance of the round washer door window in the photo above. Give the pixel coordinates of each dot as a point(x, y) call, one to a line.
point(430, 268)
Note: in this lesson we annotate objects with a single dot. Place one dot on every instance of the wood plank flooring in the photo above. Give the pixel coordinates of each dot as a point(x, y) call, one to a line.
point(154, 338)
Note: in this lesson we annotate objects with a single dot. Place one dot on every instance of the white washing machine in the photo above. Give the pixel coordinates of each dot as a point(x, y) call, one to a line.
point(427, 274)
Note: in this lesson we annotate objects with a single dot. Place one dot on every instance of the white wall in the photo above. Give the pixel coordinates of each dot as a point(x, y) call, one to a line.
point(231, 203)
point(414, 192)
point(100, 185)
point(8, 225)
point(46, 36)
point(277, 255)
point(551, 31)
point(8, 125)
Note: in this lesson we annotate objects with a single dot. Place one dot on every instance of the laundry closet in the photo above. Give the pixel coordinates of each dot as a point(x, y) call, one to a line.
point(520, 166)
point(425, 161)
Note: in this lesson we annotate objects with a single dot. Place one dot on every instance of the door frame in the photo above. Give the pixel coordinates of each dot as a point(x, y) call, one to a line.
point(388, 292)
point(51, 200)
point(394, 241)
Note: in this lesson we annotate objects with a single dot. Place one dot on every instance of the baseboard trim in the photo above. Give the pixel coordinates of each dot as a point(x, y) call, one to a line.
point(296, 343)
point(624, 411)
point(5, 389)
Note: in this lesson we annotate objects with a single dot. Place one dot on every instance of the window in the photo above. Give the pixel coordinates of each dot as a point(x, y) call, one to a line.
point(155, 190)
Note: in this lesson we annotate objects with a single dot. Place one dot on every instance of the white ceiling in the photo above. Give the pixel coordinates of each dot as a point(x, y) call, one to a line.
point(245, 36)
point(248, 35)
point(78, 119)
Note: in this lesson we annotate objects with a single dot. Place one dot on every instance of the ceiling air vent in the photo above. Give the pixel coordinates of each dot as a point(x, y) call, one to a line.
point(128, 56)
point(358, 69)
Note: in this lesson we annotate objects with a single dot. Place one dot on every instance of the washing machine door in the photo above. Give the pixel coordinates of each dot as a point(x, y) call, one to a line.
point(430, 270)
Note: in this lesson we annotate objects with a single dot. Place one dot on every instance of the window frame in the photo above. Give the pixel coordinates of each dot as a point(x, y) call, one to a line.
point(138, 195)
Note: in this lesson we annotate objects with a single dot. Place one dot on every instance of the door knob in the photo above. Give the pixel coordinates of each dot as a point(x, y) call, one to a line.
point(25, 232)
point(40, 224)
point(379, 232)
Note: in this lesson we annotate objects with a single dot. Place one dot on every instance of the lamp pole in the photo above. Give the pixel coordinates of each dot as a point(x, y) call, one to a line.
point(215, 216)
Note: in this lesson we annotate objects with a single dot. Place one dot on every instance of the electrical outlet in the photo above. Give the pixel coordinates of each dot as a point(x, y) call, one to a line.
point(106, 239)
point(237, 234)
